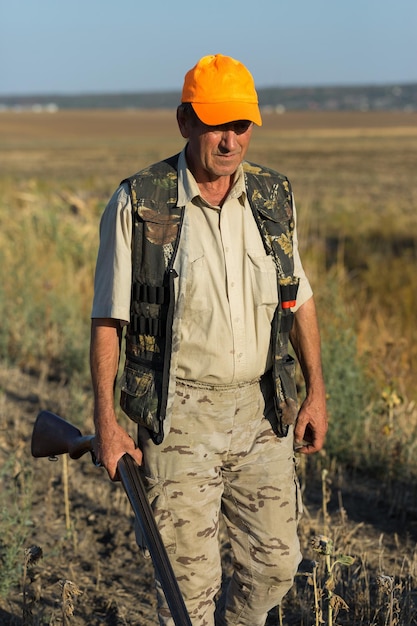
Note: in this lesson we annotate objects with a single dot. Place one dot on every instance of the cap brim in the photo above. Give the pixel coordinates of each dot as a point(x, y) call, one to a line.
point(216, 113)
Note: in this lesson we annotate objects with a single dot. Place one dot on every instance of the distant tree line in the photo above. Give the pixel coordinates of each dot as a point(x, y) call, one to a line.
point(359, 98)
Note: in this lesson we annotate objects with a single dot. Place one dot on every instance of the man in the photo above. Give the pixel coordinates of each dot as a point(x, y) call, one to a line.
point(199, 260)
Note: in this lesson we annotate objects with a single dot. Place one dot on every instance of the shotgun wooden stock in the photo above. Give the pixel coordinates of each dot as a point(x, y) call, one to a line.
point(52, 436)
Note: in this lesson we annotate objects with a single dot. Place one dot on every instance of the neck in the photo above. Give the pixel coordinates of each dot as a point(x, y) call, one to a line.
point(215, 192)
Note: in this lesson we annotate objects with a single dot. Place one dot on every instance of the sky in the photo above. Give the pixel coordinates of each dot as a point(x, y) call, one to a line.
point(100, 46)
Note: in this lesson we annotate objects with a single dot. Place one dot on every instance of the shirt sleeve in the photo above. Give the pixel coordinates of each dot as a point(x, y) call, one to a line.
point(305, 291)
point(112, 282)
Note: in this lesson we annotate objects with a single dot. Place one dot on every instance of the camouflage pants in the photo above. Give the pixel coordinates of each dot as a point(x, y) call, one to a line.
point(222, 456)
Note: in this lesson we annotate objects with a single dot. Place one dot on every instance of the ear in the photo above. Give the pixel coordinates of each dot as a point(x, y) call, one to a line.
point(183, 123)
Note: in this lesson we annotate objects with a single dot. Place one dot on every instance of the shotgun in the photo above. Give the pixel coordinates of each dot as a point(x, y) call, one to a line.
point(52, 436)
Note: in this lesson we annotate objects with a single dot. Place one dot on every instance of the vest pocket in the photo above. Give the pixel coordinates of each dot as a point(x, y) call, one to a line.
point(139, 397)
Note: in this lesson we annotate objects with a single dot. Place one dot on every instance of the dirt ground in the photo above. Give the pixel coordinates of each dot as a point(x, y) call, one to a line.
point(90, 545)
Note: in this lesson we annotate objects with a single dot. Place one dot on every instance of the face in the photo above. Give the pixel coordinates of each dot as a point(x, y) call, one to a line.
point(214, 151)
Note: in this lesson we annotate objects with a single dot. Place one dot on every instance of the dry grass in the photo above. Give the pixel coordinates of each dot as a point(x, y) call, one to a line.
point(353, 175)
point(352, 171)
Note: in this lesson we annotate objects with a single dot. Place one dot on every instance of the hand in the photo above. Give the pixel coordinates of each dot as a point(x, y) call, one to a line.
point(111, 443)
point(311, 426)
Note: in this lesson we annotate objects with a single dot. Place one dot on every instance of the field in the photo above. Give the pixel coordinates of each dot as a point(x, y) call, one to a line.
point(353, 175)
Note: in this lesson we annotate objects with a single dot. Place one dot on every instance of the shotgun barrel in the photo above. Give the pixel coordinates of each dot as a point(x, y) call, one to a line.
point(52, 436)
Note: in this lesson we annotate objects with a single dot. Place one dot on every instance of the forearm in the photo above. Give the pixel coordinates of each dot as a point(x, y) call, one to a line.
point(104, 363)
point(305, 339)
point(111, 441)
point(311, 423)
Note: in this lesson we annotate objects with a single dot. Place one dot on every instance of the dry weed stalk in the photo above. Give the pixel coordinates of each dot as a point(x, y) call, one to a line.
point(387, 588)
point(324, 545)
point(32, 556)
point(69, 590)
point(326, 494)
point(66, 492)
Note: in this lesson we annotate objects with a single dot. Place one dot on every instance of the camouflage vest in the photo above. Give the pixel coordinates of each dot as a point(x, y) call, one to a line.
point(157, 225)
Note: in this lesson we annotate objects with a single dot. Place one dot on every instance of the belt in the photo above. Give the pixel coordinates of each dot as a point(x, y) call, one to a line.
point(195, 384)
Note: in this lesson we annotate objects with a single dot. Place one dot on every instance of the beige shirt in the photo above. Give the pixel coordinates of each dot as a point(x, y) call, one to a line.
point(231, 282)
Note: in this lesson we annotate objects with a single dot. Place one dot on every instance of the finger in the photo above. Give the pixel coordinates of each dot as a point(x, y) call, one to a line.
point(300, 444)
point(137, 456)
point(309, 449)
point(114, 475)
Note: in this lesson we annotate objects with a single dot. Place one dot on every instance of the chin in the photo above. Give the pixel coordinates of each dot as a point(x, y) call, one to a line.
point(226, 169)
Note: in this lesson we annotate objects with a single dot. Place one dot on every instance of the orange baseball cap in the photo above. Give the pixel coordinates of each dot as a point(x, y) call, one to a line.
point(221, 90)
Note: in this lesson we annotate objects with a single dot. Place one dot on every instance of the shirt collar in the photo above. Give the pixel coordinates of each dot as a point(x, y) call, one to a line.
point(188, 188)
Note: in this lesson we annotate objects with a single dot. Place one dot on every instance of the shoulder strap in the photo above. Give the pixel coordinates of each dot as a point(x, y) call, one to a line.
point(156, 184)
point(155, 219)
point(270, 196)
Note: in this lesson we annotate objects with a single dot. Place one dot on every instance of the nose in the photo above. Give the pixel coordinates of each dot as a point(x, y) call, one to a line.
point(228, 140)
